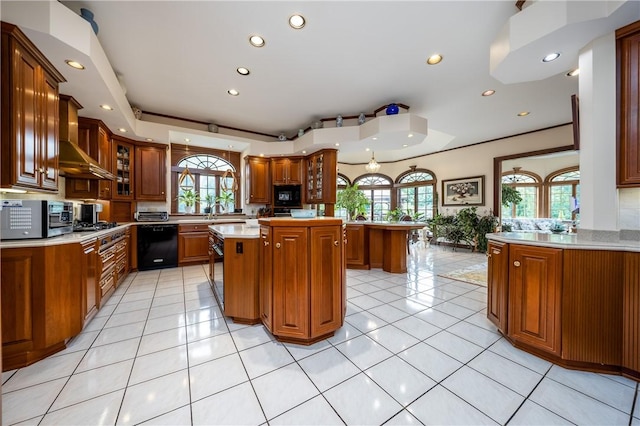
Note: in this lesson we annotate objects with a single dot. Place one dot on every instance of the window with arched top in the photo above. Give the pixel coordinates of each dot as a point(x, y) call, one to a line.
point(378, 189)
point(564, 193)
point(528, 184)
point(416, 190)
point(207, 173)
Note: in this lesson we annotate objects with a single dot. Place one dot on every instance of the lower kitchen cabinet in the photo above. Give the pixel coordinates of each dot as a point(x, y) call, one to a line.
point(42, 302)
point(240, 280)
point(498, 287)
point(535, 287)
point(631, 313)
point(357, 256)
point(89, 283)
point(303, 261)
point(193, 244)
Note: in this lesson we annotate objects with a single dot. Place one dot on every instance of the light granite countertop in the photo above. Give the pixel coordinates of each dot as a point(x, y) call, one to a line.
point(564, 241)
point(236, 230)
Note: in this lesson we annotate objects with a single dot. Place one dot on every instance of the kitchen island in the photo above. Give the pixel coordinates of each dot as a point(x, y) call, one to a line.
point(288, 274)
point(570, 299)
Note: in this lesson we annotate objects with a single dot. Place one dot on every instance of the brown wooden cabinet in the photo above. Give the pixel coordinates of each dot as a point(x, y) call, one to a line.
point(498, 285)
point(95, 139)
point(321, 175)
point(41, 302)
point(240, 280)
point(535, 286)
point(357, 249)
point(88, 255)
point(628, 150)
point(193, 243)
point(258, 180)
point(29, 114)
point(265, 263)
point(123, 169)
point(151, 173)
point(286, 171)
point(303, 259)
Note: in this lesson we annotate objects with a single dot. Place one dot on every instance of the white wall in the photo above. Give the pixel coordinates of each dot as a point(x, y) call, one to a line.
point(476, 160)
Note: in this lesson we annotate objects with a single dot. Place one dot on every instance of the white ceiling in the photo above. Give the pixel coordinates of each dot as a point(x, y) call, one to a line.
point(179, 58)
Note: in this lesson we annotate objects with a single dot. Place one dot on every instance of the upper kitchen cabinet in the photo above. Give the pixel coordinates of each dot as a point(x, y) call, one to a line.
point(258, 180)
point(29, 114)
point(150, 172)
point(286, 171)
point(95, 139)
point(123, 166)
point(628, 51)
point(321, 177)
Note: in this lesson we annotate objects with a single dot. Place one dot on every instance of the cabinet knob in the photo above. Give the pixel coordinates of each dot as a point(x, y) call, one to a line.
point(266, 243)
point(516, 263)
point(335, 243)
point(488, 254)
point(496, 251)
point(278, 245)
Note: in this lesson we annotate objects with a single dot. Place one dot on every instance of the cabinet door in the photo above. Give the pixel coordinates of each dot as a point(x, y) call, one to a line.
point(631, 312)
point(279, 170)
point(266, 277)
point(258, 181)
point(497, 285)
point(49, 136)
point(357, 242)
point(89, 275)
point(151, 175)
point(326, 279)
point(123, 169)
point(26, 74)
point(628, 52)
point(104, 159)
point(18, 267)
point(295, 172)
point(290, 282)
point(193, 246)
point(535, 278)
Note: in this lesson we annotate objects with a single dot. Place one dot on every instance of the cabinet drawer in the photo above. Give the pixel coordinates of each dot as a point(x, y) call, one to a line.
point(200, 227)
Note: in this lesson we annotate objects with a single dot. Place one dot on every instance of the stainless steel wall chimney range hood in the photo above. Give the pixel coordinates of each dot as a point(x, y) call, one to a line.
point(73, 161)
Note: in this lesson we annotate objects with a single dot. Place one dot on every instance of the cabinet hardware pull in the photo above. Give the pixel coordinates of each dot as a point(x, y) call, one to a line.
point(516, 263)
point(266, 243)
point(277, 245)
point(488, 254)
point(335, 243)
point(496, 252)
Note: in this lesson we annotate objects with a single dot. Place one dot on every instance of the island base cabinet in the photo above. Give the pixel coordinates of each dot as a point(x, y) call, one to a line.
point(240, 280)
point(535, 284)
point(41, 303)
point(301, 278)
point(498, 285)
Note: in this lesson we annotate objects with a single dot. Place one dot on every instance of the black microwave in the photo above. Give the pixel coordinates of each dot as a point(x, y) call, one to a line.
point(287, 196)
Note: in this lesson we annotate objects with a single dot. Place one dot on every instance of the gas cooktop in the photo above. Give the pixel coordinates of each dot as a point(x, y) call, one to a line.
point(88, 227)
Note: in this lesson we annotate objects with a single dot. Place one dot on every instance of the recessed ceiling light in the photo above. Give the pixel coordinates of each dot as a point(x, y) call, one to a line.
point(296, 21)
point(374, 138)
point(122, 129)
point(404, 145)
point(434, 59)
point(149, 139)
point(187, 140)
point(74, 64)
point(523, 113)
point(242, 71)
point(233, 92)
point(410, 135)
point(107, 107)
point(488, 92)
point(551, 57)
point(256, 41)
point(261, 154)
point(337, 144)
point(573, 73)
point(368, 149)
point(304, 151)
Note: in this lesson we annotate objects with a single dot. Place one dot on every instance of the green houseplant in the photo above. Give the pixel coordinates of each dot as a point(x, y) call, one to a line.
point(209, 200)
point(224, 199)
point(510, 195)
point(189, 198)
point(352, 200)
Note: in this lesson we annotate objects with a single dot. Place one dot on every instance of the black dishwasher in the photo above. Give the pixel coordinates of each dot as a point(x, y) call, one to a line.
point(157, 247)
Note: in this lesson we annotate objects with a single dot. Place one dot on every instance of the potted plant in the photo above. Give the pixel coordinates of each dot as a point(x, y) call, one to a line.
point(510, 195)
point(224, 199)
point(189, 198)
point(352, 200)
point(209, 200)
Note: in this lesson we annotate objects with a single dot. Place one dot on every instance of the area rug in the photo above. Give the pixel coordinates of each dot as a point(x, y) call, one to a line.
point(475, 274)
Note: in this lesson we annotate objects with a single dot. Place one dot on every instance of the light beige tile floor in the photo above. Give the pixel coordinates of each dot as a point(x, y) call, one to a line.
point(416, 348)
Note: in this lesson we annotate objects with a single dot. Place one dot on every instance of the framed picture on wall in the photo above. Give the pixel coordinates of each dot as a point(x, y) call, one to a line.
point(463, 192)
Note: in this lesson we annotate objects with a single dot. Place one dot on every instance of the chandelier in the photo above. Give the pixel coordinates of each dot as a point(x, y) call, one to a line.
point(372, 166)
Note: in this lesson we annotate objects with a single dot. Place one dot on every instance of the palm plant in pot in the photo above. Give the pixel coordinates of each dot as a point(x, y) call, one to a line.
point(352, 200)
point(225, 199)
point(189, 198)
point(209, 200)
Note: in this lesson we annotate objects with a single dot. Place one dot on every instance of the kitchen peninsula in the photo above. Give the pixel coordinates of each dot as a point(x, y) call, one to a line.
point(567, 298)
point(292, 268)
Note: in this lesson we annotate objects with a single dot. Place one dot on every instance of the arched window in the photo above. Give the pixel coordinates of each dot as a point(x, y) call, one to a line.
point(342, 182)
point(206, 176)
point(564, 193)
point(377, 188)
point(528, 185)
point(416, 189)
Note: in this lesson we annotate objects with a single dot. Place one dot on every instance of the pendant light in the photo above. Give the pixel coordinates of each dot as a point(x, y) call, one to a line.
point(186, 174)
point(372, 166)
point(229, 174)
